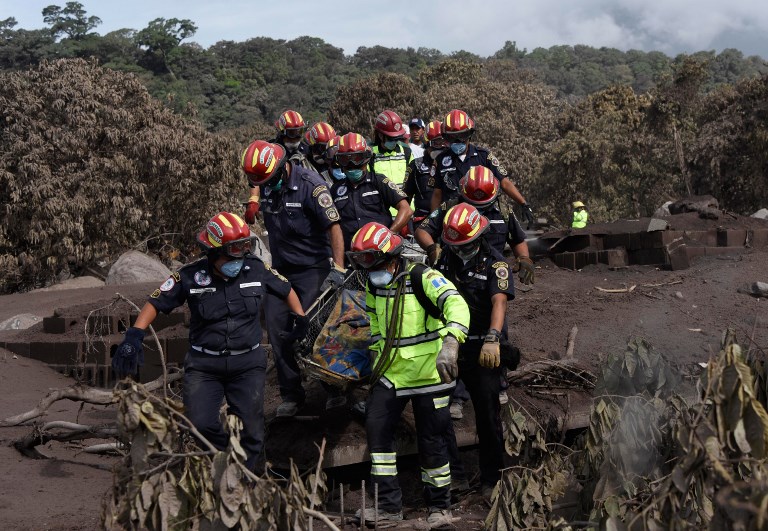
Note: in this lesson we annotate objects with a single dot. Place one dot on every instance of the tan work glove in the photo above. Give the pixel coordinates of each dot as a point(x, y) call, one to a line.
point(433, 254)
point(525, 270)
point(447, 359)
point(490, 354)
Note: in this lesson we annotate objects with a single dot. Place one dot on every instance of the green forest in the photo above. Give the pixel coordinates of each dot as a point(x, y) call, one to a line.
point(141, 129)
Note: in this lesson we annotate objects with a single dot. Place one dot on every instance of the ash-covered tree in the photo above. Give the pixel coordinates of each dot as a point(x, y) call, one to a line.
point(91, 165)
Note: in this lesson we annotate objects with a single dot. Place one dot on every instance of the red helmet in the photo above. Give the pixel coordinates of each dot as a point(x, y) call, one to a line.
point(463, 224)
point(291, 124)
point(388, 123)
point(353, 151)
point(373, 245)
point(458, 126)
point(228, 232)
point(261, 161)
point(320, 133)
point(433, 136)
point(479, 187)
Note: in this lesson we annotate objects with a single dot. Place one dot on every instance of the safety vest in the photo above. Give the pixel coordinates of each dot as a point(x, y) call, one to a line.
point(393, 165)
point(413, 370)
point(579, 219)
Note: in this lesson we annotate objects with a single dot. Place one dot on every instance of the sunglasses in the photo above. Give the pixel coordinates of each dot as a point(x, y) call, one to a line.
point(438, 143)
point(462, 136)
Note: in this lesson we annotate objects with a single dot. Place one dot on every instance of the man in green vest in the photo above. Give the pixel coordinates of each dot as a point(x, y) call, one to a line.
point(391, 154)
point(417, 321)
point(579, 215)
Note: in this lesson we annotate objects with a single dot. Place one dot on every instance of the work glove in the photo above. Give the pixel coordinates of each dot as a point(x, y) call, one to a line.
point(129, 355)
point(334, 279)
point(528, 215)
point(252, 210)
point(447, 360)
point(490, 354)
point(433, 254)
point(299, 331)
point(525, 270)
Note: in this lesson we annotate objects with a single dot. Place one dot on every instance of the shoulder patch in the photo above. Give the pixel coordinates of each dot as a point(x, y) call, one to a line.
point(155, 294)
point(439, 282)
point(393, 185)
point(332, 214)
point(503, 284)
point(278, 275)
point(319, 190)
point(432, 171)
point(325, 200)
point(168, 284)
point(502, 270)
point(492, 159)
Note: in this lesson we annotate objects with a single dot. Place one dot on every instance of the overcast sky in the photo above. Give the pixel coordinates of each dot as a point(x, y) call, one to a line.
point(481, 27)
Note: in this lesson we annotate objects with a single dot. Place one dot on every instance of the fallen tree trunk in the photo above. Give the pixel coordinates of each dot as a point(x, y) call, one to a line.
point(26, 445)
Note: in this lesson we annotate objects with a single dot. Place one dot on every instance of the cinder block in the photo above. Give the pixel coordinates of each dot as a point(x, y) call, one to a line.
point(176, 349)
point(611, 241)
point(163, 321)
point(102, 325)
point(731, 237)
point(677, 255)
point(614, 257)
point(55, 325)
point(22, 349)
point(648, 256)
point(759, 238)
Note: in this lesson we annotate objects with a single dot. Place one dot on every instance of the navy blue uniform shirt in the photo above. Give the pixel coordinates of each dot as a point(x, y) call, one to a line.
point(224, 313)
point(297, 217)
point(368, 201)
point(500, 230)
point(451, 168)
point(478, 281)
point(419, 183)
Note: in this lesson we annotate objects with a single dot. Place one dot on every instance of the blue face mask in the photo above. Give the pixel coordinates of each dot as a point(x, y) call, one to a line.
point(338, 174)
point(458, 147)
point(354, 175)
point(232, 268)
point(390, 145)
point(380, 278)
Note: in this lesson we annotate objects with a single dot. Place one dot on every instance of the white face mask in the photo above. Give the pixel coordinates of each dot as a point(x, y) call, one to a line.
point(435, 153)
point(292, 146)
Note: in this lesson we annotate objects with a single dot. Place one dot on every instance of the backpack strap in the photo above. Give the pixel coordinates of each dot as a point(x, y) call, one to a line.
point(417, 274)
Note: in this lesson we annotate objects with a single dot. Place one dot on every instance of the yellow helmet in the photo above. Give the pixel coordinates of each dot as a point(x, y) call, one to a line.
point(577, 204)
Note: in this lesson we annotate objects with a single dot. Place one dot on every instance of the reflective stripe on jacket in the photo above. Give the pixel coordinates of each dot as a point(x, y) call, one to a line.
point(413, 369)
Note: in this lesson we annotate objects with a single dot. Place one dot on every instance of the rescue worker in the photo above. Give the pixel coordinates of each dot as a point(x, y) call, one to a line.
point(290, 130)
point(420, 175)
point(480, 189)
point(579, 215)
point(390, 156)
point(416, 142)
point(318, 137)
point(482, 277)
point(415, 360)
point(364, 196)
point(304, 232)
point(225, 292)
point(458, 129)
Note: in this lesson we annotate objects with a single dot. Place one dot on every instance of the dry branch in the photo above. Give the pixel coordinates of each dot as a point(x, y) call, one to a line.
point(78, 392)
point(571, 342)
point(618, 290)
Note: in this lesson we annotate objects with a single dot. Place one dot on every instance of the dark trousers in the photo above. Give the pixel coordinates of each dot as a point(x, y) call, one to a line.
point(484, 385)
point(433, 420)
point(240, 379)
point(306, 283)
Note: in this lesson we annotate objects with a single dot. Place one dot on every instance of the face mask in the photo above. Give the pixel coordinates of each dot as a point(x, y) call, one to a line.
point(380, 278)
point(467, 252)
point(458, 147)
point(390, 145)
point(338, 174)
point(354, 175)
point(435, 153)
point(292, 146)
point(232, 268)
point(276, 182)
point(319, 159)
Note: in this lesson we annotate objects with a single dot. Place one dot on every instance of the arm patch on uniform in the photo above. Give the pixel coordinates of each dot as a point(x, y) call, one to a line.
point(502, 270)
point(168, 284)
point(332, 214)
point(437, 283)
point(325, 200)
point(503, 284)
point(319, 190)
point(155, 294)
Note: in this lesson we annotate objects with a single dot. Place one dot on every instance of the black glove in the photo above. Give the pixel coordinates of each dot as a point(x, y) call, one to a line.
point(334, 279)
point(298, 334)
point(528, 215)
point(129, 355)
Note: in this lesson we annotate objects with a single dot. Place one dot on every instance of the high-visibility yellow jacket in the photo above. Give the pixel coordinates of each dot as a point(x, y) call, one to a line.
point(393, 164)
point(413, 369)
point(579, 219)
